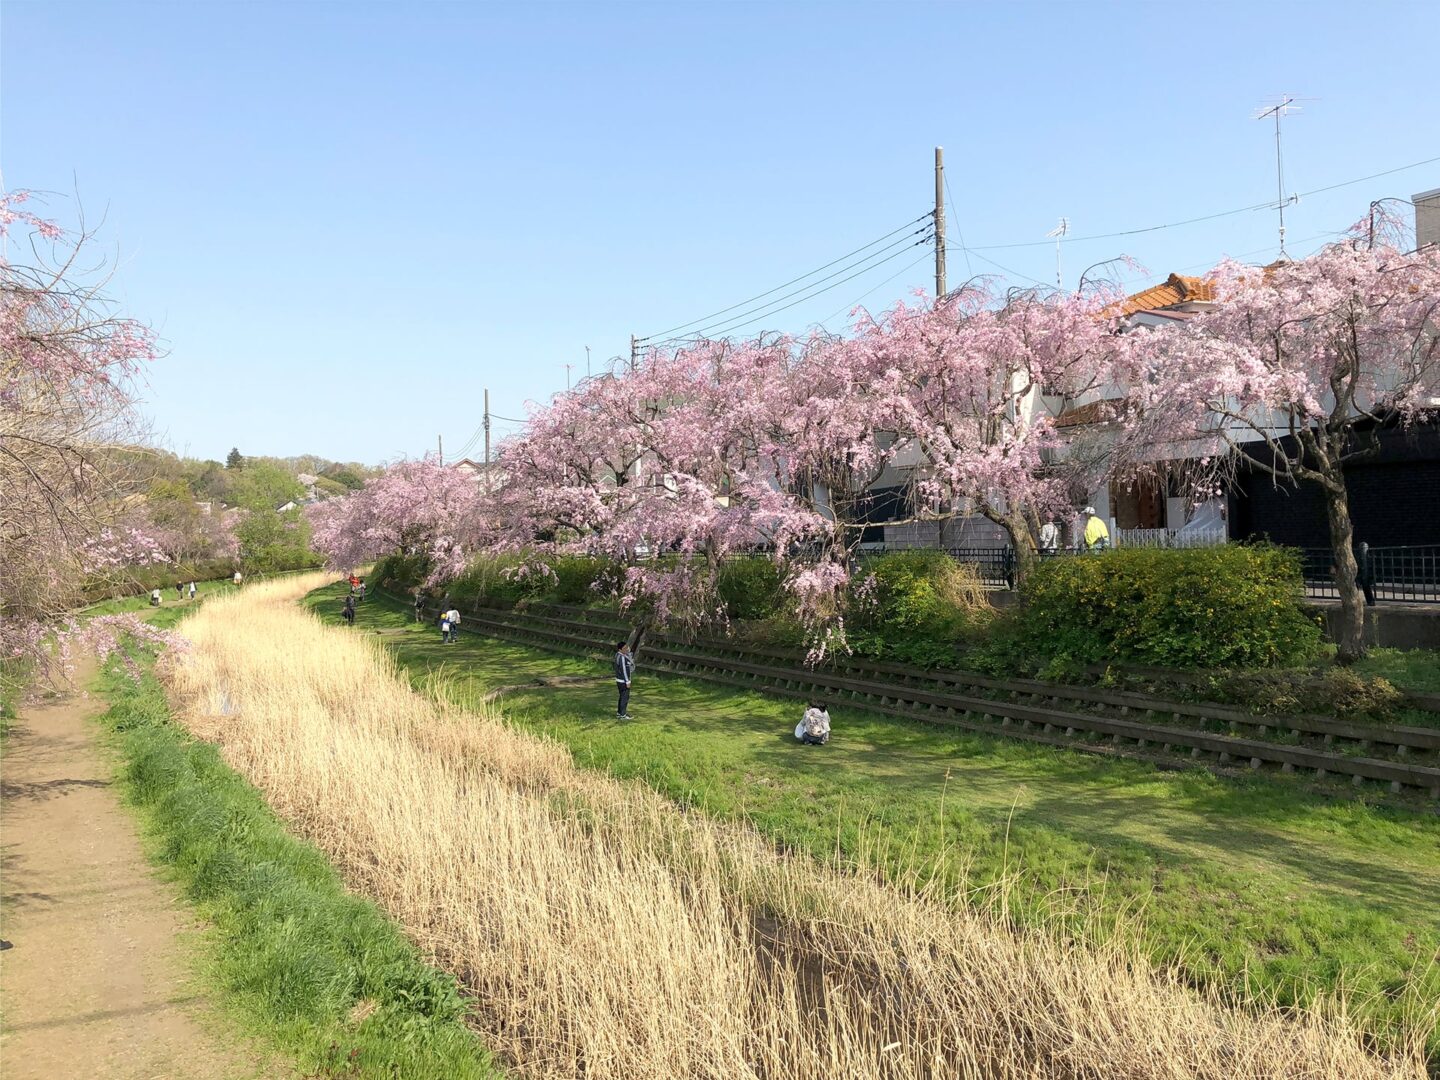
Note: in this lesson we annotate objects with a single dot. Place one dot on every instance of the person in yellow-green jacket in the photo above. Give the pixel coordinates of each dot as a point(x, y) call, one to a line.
point(1097, 534)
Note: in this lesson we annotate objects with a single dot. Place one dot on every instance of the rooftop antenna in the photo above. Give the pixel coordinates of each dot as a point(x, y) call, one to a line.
point(1059, 234)
point(1284, 106)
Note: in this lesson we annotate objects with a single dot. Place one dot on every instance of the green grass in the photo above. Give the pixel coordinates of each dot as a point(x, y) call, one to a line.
point(1257, 883)
point(291, 952)
point(141, 602)
point(1416, 670)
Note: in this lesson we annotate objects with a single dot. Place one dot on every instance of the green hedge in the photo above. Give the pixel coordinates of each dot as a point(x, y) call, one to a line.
point(918, 609)
point(1231, 606)
point(751, 587)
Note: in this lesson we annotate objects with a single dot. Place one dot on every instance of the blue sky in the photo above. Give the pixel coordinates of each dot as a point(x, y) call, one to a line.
point(346, 220)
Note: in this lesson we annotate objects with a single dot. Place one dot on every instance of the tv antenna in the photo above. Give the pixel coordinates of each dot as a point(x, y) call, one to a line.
point(1059, 234)
point(1279, 110)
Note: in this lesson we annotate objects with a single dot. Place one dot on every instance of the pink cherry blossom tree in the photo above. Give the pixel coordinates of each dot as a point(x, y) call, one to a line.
point(412, 508)
point(965, 380)
point(68, 360)
point(1292, 374)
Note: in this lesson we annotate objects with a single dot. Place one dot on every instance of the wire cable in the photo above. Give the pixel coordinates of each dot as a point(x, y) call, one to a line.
point(718, 332)
point(785, 285)
point(1270, 205)
point(856, 302)
point(745, 318)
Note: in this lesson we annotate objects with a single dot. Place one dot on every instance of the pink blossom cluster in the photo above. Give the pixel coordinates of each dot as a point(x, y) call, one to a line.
point(413, 508)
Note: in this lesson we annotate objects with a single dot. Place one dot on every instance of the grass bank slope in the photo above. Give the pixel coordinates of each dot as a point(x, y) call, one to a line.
point(606, 933)
point(1255, 885)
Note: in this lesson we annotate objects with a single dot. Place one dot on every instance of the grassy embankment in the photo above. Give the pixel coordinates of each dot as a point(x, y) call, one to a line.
point(605, 932)
point(1256, 884)
point(311, 970)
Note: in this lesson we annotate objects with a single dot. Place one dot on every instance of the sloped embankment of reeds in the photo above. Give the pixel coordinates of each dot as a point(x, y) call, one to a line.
point(603, 932)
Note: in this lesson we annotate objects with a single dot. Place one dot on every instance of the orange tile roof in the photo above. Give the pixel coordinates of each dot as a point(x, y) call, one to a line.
point(1177, 289)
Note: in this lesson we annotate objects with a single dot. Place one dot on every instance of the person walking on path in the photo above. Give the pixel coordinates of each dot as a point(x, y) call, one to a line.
point(238, 578)
point(179, 590)
point(154, 597)
point(814, 726)
point(349, 610)
point(624, 672)
point(449, 625)
point(419, 606)
point(192, 590)
point(1097, 533)
point(360, 588)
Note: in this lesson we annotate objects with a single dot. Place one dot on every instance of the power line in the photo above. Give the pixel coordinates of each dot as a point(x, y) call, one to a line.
point(954, 214)
point(762, 310)
point(1206, 217)
point(881, 285)
point(787, 284)
point(720, 331)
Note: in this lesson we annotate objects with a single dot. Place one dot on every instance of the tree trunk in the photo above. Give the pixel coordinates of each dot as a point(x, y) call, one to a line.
point(637, 636)
point(1350, 632)
point(1023, 542)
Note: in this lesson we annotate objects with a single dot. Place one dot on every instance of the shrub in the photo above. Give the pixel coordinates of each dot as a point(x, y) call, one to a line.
point(1231, 606)
point(751, 587)
point(1337, 690)
point(575, 577)
point(915, 607)
point(400, 573)
point(500, 581)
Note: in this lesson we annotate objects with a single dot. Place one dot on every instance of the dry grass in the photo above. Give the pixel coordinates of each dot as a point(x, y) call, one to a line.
point(605, 933)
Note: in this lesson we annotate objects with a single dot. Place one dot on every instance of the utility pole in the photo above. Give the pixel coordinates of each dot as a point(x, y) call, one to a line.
point(634, 351)
point(939, 222)
point(567, 377)
point(440, 448)
point(587, 361)
point(487, 429)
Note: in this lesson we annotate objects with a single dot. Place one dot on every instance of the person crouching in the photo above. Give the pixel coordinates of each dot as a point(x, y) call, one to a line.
point(814, 726)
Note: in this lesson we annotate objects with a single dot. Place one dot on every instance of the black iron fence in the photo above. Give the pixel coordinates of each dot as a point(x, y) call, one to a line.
point(1384, 573)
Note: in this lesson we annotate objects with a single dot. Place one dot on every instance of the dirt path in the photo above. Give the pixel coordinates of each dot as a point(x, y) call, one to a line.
point(93, 979)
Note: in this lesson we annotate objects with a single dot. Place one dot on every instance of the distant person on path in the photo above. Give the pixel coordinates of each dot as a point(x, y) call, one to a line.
point(624, 672)
point(814, 726)
point(238, 578)
point(361, 588)
point(349, 610)
point(449, 625)
point(179, 590)
point(419, 606)
point(1097, 533)
point(154, 597)
point(1049, 537)
point(192, 590)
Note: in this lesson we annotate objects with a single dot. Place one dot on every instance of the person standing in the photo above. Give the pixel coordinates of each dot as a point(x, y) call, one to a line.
point(361, 588)
point(238, 578)
point(419, 605)
point(349, 610)
point(624, 672)
point(1049, 537)
point(1097, 533)
point(154, 597)
point(192, 590)
point(179, 590)
point(449, 625)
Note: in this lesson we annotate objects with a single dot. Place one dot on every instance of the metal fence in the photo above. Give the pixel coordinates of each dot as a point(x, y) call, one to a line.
point(1408, 574)
point(1385, 573)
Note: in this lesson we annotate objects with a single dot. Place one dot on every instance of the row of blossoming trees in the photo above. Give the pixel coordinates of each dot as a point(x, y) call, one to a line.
point(770, 445)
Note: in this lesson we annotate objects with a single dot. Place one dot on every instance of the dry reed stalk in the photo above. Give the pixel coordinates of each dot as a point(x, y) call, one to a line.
point(604, 933)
